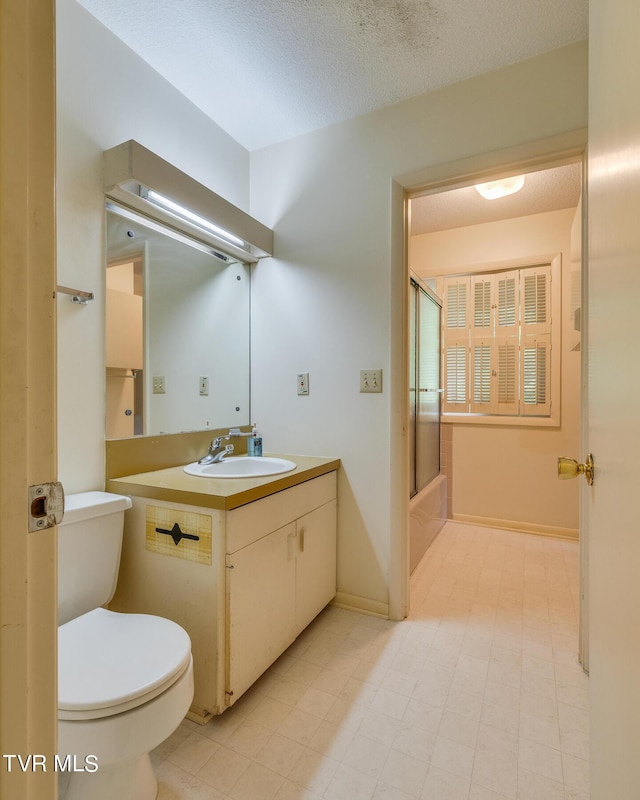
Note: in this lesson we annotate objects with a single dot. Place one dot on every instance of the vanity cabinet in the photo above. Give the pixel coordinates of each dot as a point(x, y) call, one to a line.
point(276, 586)
point(245, 593)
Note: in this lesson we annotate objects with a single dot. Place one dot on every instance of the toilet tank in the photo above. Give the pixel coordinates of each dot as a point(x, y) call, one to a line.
point(89, 546)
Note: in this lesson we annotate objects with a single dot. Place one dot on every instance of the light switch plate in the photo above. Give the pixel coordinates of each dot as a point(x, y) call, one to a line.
point(204, 385)
point(158, 384)
point(370, 380)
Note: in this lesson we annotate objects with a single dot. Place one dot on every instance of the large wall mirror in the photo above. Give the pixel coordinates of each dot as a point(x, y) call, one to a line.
point(177, 331)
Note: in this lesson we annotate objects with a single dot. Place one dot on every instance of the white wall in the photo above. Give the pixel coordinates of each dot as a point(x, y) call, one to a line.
point(330, 302)
point(509, 473)
point(107, 95)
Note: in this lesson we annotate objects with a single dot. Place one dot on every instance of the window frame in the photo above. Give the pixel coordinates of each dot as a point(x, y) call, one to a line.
point(554, 262)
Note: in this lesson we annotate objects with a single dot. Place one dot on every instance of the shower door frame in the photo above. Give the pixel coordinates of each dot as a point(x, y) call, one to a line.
point(415, 280)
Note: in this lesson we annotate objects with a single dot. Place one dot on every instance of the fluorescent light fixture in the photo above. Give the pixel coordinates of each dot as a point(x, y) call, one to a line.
point(146, 222)
point(195, 219)
point(502, 188)
point(141, 180)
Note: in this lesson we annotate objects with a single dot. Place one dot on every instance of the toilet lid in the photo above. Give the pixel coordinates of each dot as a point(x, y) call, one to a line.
point(106, 659)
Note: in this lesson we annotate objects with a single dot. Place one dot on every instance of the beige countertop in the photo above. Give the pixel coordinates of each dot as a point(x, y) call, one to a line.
point(173, 485)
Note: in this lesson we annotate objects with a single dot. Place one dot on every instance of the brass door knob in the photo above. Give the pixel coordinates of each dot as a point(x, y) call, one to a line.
point(570, 468)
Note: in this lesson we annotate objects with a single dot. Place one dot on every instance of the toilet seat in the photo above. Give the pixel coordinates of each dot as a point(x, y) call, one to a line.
point(110, 662)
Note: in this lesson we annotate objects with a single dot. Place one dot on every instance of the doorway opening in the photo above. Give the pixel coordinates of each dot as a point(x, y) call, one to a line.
point(499, 448)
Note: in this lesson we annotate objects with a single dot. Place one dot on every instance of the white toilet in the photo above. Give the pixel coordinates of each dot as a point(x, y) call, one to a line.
point(125, 681)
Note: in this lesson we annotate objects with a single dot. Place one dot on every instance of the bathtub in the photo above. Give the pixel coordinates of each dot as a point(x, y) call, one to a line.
point(427, 515)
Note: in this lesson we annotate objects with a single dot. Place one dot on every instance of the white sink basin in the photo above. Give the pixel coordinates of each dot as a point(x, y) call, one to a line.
point(241, 467)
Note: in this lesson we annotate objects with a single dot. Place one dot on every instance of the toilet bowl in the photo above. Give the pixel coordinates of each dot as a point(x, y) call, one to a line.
point(125, 681)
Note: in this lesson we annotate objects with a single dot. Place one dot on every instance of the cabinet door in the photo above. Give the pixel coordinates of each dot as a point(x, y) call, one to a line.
point(316, 563)
point(260, 606)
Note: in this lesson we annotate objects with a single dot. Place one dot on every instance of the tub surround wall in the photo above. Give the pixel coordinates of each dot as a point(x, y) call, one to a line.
point(427, 515)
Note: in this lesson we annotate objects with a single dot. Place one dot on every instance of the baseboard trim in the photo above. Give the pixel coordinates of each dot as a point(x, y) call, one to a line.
point(521, 527)
point(353, 602)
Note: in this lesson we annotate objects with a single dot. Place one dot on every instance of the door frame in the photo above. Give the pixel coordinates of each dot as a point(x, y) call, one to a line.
point(28, 618)
point(540, 154)
point(583, 622)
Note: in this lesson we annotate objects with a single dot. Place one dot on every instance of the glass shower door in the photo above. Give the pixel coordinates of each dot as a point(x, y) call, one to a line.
point(425, 393)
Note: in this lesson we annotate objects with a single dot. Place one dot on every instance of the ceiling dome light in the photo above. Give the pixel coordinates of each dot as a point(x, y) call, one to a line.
point(506, 186)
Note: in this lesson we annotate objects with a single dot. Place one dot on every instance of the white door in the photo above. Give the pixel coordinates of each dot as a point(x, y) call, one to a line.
point(28, 692)
point(613, 505)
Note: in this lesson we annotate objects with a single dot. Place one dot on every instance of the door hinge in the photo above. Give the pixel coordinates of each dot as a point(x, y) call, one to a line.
point(46, 506)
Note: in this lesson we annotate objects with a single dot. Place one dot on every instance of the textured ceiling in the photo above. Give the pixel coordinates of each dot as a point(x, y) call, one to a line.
point(546, 190)
point(268, 70)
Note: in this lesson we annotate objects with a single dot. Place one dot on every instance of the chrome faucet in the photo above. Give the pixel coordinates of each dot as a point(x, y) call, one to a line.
point(217, 451)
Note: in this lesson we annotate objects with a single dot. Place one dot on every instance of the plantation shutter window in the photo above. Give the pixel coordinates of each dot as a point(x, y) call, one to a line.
point(455, 371)
point(497, 350)
point(481, 376)
point(507, 374)
point(482, 303)
point(536, 370)
point(535, 287)
point(455, 317)
point(455, 366)
point(507, 320)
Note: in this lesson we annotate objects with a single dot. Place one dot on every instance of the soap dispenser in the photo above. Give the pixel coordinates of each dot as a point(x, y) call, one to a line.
point(254, 445)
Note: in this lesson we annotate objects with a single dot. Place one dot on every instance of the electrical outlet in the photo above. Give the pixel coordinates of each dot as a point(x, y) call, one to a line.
point(158, 384)
point(303, 383)
point(204, 385)
point(370, 380)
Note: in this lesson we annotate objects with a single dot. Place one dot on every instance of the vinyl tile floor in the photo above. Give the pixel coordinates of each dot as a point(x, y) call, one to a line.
point(478, 695)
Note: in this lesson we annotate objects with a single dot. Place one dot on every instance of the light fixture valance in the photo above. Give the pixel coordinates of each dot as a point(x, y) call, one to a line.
point(142, 180)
